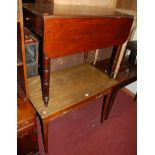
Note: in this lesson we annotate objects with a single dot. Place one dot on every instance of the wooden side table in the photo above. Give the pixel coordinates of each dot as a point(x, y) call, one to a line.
point(66, 30)
point(69, 29)
point(69, 88)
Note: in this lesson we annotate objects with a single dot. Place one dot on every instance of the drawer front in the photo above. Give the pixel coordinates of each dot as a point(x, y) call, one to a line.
point(33, 22)
point(27, 141)
point(26, 124)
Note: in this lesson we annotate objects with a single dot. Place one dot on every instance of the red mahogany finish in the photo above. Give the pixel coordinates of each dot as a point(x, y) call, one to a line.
point(67, 29)
point(83, 34)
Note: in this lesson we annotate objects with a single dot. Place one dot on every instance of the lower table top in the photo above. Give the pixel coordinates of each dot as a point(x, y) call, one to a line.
point(69, 88)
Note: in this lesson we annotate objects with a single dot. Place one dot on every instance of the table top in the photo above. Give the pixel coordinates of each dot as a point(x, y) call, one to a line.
point(69, 88)
point(67, 11)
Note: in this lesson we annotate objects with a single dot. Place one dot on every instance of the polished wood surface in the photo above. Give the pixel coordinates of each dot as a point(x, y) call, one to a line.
point(68, 29)
point(27, 140)
point(25, 112)
point(78, 35)
point(68, 88)
point(77, 28)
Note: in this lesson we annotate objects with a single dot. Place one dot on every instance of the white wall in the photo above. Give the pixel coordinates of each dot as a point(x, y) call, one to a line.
point(132, 87)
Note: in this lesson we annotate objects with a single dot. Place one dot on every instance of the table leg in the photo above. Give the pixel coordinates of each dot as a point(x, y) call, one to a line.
point(45, 133)
point(85, 57)
point(113, 61)
point(112, 98)
point(105, 104)
point(121, 56)
point(96, 56)
point(46, 79)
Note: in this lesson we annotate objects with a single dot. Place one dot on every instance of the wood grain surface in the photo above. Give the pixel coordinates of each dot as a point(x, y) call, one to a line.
point(72, 29)
point(68, 36)
point(69, 29)
point(68, 88)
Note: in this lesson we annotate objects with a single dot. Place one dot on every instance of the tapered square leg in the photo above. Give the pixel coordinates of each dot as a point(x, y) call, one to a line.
point(45, 134)
point(106, 101)
point(112, 98)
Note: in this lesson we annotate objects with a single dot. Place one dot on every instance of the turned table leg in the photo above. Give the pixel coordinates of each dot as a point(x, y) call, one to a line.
point(46, 79)
point(106, 101)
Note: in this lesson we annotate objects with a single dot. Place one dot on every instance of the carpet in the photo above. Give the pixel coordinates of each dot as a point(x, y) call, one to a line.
point(79, 132)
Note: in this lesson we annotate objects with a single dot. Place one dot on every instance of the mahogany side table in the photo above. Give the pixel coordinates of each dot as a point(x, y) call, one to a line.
point(66, 30)
point(69, 29)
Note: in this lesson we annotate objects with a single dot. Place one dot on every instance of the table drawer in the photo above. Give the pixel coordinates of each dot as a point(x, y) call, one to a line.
point(27, 141)
point(25, 124)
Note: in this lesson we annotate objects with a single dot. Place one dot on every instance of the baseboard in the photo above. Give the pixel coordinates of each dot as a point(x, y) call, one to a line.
point(129, 92)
